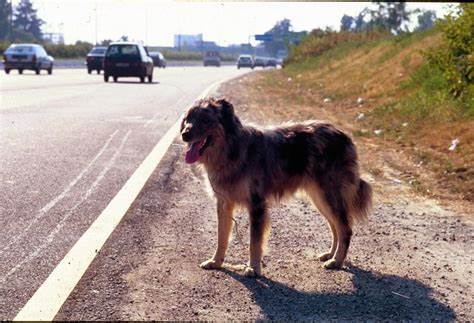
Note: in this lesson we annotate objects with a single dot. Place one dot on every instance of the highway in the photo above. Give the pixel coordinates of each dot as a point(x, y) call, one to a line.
point(68, 143)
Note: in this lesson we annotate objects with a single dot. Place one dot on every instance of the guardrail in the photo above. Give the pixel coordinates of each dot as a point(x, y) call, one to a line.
point(80, 63)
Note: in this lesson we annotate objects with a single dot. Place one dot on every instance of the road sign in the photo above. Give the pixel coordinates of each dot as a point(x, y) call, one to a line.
point(264, 37)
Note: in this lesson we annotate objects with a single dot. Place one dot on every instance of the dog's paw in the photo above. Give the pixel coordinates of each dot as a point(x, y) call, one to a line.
point(324, 256)
point(250, 272)
point(332, 264)
point(210, 264)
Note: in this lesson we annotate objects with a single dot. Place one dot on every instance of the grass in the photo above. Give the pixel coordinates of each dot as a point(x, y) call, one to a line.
point(403, 96)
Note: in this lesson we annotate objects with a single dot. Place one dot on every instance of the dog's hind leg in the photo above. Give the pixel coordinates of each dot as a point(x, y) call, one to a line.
point(224, 230)
point(317, 197)
point(259, 230)
point(342, 226)
point(344, 234)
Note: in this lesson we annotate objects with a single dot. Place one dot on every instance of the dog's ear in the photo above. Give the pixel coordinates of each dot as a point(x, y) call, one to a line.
point(225, 106)
point(227, 116)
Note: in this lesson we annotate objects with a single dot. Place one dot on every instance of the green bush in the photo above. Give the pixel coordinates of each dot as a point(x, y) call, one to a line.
point(455, 57)
point(78, 50)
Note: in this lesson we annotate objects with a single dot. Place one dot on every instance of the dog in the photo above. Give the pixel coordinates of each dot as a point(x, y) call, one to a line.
point(251, 167)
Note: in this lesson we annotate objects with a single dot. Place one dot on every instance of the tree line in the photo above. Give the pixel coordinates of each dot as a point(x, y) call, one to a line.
point(20, 23)
point(388, 16)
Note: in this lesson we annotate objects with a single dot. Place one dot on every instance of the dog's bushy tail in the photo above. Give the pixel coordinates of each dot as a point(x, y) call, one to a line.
point(362, 202)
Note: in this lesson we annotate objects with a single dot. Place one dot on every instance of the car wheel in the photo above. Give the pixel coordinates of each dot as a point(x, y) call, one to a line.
point(115, 78)
point(89, 71)
point(7, 71)
point(98, 71)
point(142, 79)
point(50, 70)
point(38, 69)
point(106, 78)
point(20, 71)
point(150, 78)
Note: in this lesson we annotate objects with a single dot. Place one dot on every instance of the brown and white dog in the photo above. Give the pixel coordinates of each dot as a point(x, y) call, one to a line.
point(251, 167)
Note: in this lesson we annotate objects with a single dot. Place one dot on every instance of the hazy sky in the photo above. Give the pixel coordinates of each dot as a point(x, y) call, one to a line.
point(155, 22)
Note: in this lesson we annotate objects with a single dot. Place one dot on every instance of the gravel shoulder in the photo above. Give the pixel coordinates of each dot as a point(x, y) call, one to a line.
point(412, 260)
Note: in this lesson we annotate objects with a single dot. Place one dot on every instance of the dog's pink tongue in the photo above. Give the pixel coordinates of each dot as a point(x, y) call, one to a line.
point(192, 155)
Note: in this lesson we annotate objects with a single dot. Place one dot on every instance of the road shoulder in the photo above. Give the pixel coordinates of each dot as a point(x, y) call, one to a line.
point(410, 262)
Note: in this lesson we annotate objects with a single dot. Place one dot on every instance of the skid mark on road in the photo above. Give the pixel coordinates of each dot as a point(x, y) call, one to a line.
point(61, 223)
point(156, 115)
point(45, 209)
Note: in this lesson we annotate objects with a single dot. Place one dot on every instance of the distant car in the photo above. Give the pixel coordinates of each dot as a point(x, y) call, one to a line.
point(95, 59)
point(127, 60)
point(27, 57)
point(271, 62)
point(245, 61)
point(260, 61)
point(158, 59)
point(211, 58)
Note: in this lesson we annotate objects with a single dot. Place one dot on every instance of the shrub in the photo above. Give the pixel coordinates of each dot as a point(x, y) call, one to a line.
point(455, 57)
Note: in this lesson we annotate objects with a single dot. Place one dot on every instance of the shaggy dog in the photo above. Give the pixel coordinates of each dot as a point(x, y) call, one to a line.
point(251, 167)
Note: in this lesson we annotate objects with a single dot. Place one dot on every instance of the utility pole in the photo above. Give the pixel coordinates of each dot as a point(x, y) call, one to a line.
point(146, 27)
point(11, 21)
point(96, 17)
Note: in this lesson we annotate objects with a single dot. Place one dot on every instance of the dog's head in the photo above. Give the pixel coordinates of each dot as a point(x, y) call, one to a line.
point(205, 124)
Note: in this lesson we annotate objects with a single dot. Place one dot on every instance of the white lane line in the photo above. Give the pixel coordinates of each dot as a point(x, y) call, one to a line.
point(50, 296)
point(58, 198)
point(68, 214)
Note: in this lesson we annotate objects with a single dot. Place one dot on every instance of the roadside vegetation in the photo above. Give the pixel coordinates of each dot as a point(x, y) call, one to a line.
point(409, 90)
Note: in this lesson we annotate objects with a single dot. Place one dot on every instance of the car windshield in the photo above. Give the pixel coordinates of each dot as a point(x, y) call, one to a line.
point(20, 49)
point(130, 50)
point(98, 51)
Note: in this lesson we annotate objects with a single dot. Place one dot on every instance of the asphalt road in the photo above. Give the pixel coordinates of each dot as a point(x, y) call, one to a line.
point(68, 143)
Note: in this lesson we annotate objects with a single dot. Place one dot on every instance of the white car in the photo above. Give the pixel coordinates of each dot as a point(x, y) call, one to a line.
point(27, 57)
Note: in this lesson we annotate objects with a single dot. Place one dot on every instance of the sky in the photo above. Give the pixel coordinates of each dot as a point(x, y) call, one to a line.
point(156, 22)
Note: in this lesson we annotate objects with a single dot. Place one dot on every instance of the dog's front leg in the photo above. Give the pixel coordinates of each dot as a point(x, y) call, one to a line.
point(259, 225)
point(224, 229)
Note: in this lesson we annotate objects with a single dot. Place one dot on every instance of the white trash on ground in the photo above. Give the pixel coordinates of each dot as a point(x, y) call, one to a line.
point(327, 100)
point(360, 116)
point(378, 132)
point(454, 144)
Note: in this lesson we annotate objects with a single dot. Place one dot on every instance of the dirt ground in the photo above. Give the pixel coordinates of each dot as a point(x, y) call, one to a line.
point(412, 260)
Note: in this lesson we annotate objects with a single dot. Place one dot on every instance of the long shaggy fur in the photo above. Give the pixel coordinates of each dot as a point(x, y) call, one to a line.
point(250, 166)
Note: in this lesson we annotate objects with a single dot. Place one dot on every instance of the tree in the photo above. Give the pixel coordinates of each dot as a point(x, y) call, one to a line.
point(391, 16)
point(283, 37)
point(105, 42)
point(426, 20)
point(347, 23)
point(397, 15)
point(26, 20)
point(5, 16)
point(360, 23)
